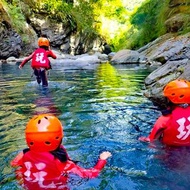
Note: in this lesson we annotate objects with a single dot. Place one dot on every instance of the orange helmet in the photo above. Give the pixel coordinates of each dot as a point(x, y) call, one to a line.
point(44, 133)
point(43, 42)
point(178, 91)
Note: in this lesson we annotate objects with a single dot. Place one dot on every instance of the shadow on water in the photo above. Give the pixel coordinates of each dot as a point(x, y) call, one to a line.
point(101, 109)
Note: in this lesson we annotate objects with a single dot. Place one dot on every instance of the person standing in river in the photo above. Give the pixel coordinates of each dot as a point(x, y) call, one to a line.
point(40, 61)
point(173, 128)
point(45, 164)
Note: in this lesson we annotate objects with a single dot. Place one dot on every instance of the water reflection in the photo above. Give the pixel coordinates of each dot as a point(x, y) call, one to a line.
point(44, 103)
point(112, 83)
point(107, 80)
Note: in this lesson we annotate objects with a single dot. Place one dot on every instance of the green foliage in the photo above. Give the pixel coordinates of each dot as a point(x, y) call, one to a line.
point(79, 17)
point(84, 16)
point(122, 23)
point(16, 16)
point(111, 20)
point(58, 10)
point(148, 23)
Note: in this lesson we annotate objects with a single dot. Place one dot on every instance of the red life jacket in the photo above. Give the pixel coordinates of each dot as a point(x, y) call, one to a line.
point(42, 170)
point(177, 132)
point(40, 59)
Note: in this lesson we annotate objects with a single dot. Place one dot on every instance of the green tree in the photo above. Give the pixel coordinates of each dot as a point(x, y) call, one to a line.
point(147, 23)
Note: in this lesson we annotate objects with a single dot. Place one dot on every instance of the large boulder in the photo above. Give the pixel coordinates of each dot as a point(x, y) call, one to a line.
point(127, 56)
point(10, 43)
point(156, 81)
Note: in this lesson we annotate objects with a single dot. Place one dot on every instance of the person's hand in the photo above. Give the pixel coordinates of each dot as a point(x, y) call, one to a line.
point(20, 67)
point(105, 155)
point(144, 139)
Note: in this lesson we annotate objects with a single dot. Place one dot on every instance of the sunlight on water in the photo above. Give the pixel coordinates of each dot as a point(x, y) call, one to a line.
point(101, 109)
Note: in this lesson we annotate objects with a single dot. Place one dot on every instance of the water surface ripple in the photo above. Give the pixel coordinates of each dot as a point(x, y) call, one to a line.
point(101, 109)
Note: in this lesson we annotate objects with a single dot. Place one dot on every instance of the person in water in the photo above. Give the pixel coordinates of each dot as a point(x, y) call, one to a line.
point(45, 164)
point(40, 61)
point(173, 128)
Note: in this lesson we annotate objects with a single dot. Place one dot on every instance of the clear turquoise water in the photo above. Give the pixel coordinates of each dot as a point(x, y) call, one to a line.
point(101, 109)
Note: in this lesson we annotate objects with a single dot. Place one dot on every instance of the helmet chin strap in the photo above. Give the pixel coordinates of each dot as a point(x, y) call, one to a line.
point(184, 105)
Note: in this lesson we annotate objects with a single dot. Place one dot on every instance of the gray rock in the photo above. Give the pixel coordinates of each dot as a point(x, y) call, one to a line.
point(126, 56)
point(156, 81)
point(167, 48)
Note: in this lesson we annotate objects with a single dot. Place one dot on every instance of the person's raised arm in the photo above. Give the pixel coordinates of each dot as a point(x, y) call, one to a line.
point(17, 161)
point(25, 61)
point(51, 54)
point(92, 172)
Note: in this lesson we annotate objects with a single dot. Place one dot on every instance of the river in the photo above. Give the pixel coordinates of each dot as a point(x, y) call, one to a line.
point(101, 109)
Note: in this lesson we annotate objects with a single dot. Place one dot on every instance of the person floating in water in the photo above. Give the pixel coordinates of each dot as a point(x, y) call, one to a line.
point(173, 129)
point(40, 62)
point(45, 164)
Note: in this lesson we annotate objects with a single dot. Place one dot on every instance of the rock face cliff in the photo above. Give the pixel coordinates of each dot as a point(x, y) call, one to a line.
point(62, 35)
point(171, 51)
point(173, 55)
point(10, 41)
